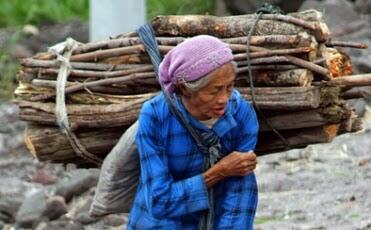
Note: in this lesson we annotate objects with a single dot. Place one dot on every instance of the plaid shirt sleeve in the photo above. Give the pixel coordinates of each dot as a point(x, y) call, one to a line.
point(164, 196)
point(239, 203)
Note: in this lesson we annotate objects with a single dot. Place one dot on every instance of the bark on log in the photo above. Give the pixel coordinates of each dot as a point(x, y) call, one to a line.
point(296, 77)
point(298, 138)
point(357, 92)
point(49, 144)
point(102, 54)
point(352, 80)
point(324, 73)
point(236, 26)
point(358, 45)
point(84, 121)
point(293, 120)
point(34, 63)
point(284, 98)
point(89, 73)
point(264, 40)
point(111, 115)
point(337, 63)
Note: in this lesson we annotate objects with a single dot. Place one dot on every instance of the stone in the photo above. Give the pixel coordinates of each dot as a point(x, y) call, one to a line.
point(85, 219)
point(115, 220)
point(80, 182)
point(363, 6)
point(80, 210)
point(20, 51)
point(64, 224)
point(337, 14)
point(8, 208)
point(43, 177)
point(55, 207)
point(250, 6)
point(31, 210)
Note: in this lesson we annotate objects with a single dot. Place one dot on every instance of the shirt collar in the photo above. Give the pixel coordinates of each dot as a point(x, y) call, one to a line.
point(224, 124)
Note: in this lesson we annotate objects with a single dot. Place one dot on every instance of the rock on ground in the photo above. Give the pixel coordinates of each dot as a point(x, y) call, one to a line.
point(323, 186)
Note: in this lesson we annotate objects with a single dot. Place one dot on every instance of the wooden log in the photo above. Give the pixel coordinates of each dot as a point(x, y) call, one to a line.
point(298, 138)
point(338, 63)
point(357, 92)
point(101, 54)
point(324, 73)
point(113, 90)
point(293, 120)
point(264, 40)
point(34, 63)
point(352, 80)
point(292, 41)
point(270, 53)
point(71, 88)
point(89, 73)
point(284, 98)
point(298, 77)
point(295, 77)
point(111, 115)
point(236, 26)
point(47, 143)
point(358, 45)
point(83, 120)
point(117, 73)
point(278, 67)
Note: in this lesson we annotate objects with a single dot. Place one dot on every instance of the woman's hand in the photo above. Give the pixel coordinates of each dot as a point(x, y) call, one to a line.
point(237, 164)
point(234, 164)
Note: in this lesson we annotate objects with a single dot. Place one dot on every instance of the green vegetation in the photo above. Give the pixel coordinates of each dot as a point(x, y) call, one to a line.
point(163, 7)
point(16, 13)
point(8, 69)
point(263, 220)
point(20, 12)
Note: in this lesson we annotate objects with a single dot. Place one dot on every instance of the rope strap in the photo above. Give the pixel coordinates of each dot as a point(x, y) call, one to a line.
point(207, 142)
point(265, 9)
point(63, 52)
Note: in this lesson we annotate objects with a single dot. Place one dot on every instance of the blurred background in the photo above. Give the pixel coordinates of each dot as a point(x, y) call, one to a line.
point(320, 187)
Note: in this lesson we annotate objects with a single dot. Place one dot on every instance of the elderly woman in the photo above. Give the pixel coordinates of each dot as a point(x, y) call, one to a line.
point(172, 193)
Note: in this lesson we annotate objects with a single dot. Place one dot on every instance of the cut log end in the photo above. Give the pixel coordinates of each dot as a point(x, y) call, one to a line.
point(331, 130)
point(29, 144)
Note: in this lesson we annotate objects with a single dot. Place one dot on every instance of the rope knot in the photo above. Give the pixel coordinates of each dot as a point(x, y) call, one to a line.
point(267, 8)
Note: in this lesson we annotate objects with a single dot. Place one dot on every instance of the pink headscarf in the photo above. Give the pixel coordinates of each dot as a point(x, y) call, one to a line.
point(193, 59)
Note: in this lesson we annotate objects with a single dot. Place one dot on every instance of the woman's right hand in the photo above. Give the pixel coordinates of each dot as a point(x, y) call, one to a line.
point(234, 164)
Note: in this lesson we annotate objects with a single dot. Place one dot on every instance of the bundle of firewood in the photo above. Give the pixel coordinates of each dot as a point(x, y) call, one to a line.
point(301, 83)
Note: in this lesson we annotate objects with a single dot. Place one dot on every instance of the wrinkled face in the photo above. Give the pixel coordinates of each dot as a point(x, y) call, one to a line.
point(211, 100)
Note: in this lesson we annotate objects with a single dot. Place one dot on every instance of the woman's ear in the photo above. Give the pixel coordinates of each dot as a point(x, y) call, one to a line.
point(183, 90)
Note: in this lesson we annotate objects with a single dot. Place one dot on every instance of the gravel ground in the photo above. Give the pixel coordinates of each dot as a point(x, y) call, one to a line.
point(325, 186)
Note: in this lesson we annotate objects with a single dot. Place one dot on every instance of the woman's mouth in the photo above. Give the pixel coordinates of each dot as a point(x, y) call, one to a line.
point(219, 111)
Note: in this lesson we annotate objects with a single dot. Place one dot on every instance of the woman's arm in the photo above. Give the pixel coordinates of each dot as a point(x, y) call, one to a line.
point(238, 203)
point(165, 197)
point(234, 164)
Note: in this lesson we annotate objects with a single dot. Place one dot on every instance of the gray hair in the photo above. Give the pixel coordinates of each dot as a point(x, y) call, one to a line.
point(194, 86)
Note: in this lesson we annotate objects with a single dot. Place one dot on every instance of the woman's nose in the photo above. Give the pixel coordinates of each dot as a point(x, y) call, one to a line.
point(223, 97)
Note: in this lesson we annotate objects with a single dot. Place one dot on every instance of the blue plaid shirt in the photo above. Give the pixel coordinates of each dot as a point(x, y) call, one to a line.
point(172, 191)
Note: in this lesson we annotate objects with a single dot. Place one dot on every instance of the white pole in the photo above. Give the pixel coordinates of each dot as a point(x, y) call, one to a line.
point(114, 17)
